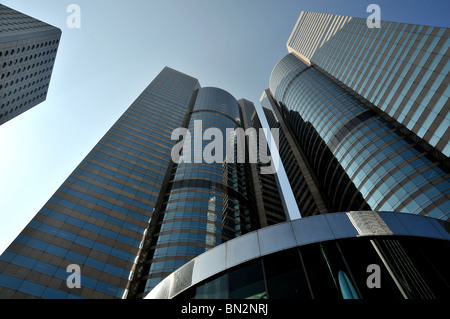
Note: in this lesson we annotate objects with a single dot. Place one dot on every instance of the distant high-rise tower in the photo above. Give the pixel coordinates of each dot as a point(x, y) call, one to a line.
point(27, 54)
point(128, 215)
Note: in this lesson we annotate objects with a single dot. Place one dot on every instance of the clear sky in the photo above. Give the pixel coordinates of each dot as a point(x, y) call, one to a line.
point(121, 46)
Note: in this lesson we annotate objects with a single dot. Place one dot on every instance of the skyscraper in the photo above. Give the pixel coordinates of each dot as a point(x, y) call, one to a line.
point(368, 176)
point(207, 202)
point(400, 68)
point(129, 215)
point(362, 155)
point(169, 204)
point(27, 54)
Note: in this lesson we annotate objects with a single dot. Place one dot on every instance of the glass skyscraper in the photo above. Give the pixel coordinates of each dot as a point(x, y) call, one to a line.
point(27, 54)
point(400, 68)
point(363, 122)
point(198, 201)
point(128, 215)
point(362, 157)
point(372, 191)
point(207, 203)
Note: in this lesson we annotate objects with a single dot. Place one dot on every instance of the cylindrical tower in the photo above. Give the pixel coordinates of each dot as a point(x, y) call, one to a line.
point(206, 202)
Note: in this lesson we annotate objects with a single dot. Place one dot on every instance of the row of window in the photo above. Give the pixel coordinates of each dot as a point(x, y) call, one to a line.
point(170, 265)
point(110, 204)
point(148, 128)
point(129, 153)
point(169, 100)
point(210, 118)
point(112, 155)
point(27, 24)
point(104, 231)
point(101, 161)
point(78, 207)
point(24, 78)
point(19, 107)
point(146, 112)
point(18, 98)
point(11, 52)
point(143, 200)
point(145, 134)
point(7, 74)
point(21, 60)
point(191, 167)
point(43, 291)
point(137, 148)
point(196, 193)
point(81, 240)
point(107, 177)
point(33, 289)
point(184, 236)
point(72, 256)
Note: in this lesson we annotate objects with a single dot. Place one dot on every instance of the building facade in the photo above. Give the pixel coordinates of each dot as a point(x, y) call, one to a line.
point(27, 54)
point(207, 202)
point(362, 158)
point(365, 111)
point(400, 68)
point(364, 141)
point(271, 206)
point(302, 180)
point(129, 215)
point(354, 255)
point(97, 218)
point(169, 205)
point(202, 208)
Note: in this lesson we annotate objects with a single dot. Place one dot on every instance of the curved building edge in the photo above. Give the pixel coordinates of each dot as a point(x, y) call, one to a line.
point(297, 233)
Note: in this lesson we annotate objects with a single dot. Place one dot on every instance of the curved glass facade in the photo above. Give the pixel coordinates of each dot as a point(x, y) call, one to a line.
point(206, 203)
point(332, 271)
point(401, 68)
point(334, 126)
point(351, 255)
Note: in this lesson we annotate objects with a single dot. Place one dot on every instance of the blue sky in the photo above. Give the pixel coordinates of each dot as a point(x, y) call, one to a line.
point(121, 46)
